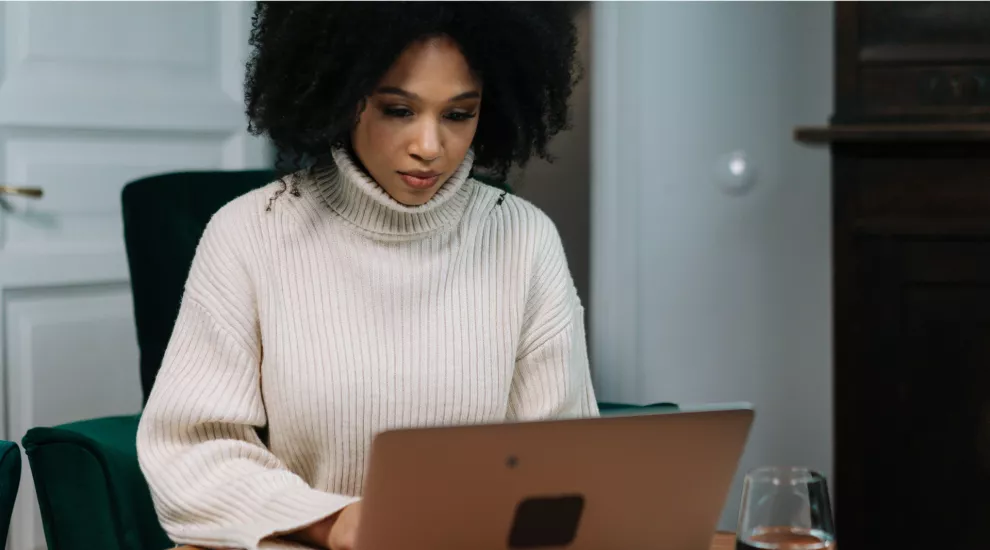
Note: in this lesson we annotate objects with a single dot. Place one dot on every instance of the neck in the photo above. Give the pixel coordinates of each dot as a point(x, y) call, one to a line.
point(357, 198)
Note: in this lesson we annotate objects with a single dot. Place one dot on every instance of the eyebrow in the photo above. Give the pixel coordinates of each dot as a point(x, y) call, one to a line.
point(391, 90)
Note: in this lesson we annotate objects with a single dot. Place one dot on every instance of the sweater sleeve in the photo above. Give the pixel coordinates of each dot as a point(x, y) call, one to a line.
point(552, 377)
point(213, 481)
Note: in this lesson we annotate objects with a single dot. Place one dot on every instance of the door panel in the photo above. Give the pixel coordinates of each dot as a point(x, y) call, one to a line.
point(93, 95)
point(134, 65)
point(92, 324)
point(70, 356)
point(83, 176)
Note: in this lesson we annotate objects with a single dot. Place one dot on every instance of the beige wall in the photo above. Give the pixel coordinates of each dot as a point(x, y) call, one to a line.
point(563, 188)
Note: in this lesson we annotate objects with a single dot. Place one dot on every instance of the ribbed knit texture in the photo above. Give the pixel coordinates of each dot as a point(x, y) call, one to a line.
point(308, 327)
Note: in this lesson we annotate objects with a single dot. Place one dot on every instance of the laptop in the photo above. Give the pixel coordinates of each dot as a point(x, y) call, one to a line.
point(656, 481)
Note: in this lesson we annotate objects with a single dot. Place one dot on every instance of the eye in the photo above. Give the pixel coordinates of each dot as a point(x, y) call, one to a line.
point(458, 116)
point(397, 112)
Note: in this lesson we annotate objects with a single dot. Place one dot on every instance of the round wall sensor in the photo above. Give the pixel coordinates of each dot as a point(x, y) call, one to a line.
point(735, 173)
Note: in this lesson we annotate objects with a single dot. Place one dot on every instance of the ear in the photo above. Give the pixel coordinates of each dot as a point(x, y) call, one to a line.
point(361, 107)
point(359, 110)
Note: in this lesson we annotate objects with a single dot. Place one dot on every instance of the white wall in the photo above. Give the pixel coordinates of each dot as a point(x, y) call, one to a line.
point(699, 295)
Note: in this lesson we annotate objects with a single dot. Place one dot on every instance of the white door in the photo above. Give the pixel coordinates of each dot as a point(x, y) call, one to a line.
point(93, 95)
point(704, 293)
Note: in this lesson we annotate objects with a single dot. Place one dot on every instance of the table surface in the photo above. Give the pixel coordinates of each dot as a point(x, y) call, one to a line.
point(722, 541)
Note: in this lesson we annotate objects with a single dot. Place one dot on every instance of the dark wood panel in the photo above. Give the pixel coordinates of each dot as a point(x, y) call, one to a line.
point(914, 395)
point(947, 263)
point(955, 91)
point(894, 133)
point(947, 351)
point(912, 61)
point(923, 24)
point(921, 186)
point(910, 142)
point(850, 396)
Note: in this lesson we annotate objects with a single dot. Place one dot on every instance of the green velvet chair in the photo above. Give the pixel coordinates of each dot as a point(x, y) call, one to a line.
point(90, 488)
point(10, 480)
point(164, 217)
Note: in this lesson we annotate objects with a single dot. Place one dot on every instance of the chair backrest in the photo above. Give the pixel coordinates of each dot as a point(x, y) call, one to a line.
point(10, 480)
point(164, 218)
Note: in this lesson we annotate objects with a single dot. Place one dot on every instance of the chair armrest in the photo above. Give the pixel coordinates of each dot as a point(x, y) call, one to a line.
point(10, 480)
point(620, 409)
point(90, 487)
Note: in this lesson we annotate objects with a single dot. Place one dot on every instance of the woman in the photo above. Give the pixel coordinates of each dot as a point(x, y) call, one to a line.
point(380, 288)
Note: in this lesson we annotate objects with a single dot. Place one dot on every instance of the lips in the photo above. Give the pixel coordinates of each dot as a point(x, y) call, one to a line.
point(420, 180)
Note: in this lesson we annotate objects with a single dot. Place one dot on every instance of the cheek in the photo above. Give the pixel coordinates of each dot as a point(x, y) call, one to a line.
point(374, 135)
point(460, 137)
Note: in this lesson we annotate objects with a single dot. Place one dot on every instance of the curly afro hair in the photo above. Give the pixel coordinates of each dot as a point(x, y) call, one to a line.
point(314, 63)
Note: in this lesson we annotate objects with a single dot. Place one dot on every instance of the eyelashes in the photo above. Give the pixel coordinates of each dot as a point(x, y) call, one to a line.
point(397, 112)
point(403, 112)
point(460, 117)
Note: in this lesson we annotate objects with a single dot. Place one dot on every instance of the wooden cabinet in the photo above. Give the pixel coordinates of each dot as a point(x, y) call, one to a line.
point(912, 345)
point(910, 142)
point(920, 61)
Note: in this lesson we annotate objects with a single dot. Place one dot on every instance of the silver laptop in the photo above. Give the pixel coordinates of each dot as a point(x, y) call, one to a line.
point(656, 481)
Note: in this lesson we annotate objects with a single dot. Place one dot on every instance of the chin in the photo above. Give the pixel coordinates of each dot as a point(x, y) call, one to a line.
point(415, 200)
point(413, 197)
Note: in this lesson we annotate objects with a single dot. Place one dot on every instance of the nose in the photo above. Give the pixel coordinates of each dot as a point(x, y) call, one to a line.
point(426, 144)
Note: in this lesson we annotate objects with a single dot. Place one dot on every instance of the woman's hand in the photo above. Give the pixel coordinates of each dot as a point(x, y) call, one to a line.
point(337, 532)
point(343, 532)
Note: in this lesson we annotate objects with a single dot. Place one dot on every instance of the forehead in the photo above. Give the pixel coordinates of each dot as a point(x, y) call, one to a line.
point(432, 68)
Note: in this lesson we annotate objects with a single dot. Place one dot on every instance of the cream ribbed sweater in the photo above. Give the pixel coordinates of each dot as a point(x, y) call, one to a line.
point(337, 314)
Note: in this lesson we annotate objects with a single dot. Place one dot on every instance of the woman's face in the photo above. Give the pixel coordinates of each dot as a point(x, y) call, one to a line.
point(420, 121)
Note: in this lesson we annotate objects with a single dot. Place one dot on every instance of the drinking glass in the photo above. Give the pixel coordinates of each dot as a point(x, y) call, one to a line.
point(785, 508)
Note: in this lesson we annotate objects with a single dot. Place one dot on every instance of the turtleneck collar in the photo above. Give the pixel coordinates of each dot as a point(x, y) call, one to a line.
point(357, 198)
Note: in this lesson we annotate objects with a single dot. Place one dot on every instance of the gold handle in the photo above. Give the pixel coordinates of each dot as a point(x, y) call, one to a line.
point(30, 192)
